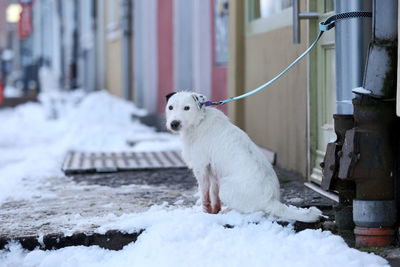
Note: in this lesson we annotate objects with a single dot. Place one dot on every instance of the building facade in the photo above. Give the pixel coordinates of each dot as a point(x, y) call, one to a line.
point(179, 45)
point(260, 47)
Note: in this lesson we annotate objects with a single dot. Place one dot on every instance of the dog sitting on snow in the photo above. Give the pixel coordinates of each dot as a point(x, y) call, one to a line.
point(228, 166)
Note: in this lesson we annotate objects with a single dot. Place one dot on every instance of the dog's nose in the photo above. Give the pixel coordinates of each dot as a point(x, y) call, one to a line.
point(175, 125)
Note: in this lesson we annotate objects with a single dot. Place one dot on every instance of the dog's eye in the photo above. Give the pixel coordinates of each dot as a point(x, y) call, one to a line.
point(170, 107)
point(186, 108)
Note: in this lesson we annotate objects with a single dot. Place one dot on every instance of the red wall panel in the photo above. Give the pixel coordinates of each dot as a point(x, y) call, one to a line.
point(165, 51)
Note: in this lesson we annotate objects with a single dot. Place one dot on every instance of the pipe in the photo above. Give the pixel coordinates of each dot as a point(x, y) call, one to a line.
point(368, 153)
point(127, 48)
point(352, 37)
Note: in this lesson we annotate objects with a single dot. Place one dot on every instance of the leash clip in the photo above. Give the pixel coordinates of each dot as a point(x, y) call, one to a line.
point(326, 27)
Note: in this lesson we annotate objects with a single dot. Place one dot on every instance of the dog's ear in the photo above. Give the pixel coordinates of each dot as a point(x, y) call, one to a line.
point(169, 95)
point(199, 99)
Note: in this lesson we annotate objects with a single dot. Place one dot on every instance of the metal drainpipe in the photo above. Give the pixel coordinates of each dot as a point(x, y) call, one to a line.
point(352, 37)
point(367, 155)
point(127, 48)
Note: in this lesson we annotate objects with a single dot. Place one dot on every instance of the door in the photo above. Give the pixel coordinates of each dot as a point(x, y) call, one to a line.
point(322, 89)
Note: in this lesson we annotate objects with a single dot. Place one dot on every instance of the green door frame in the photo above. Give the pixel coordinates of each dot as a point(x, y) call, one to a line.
point(320, 108)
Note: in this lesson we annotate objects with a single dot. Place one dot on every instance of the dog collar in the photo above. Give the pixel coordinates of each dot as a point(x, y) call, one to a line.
point(211, 103)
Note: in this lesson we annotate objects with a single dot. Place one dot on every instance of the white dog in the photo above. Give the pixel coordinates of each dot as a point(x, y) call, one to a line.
point(228, 166)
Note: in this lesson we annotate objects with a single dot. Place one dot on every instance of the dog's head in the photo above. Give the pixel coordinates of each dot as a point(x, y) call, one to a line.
point(184, 110)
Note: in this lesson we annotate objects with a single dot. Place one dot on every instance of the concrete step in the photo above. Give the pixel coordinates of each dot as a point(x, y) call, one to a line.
point(113, 240)
point(10, 102)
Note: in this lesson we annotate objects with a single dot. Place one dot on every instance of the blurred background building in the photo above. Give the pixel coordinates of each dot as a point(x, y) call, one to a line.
point(136, 49)
point(141, 50)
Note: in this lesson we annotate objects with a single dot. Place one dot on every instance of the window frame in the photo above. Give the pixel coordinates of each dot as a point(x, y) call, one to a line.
point(264, 25)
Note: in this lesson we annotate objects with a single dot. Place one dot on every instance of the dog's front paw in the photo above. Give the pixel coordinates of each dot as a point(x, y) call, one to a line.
point(207, 208)
point(216, 208)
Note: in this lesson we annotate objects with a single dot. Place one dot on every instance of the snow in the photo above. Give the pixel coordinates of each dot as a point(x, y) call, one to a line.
point(361, 90)
point(188, 237)
point(34, 139)
point(7, 54)
point(10, 91)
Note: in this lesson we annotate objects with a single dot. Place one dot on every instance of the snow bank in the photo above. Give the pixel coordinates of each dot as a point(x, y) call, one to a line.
point(35, 137)
point(188, 237)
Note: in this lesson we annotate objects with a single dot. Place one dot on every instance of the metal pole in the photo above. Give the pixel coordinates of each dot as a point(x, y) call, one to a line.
point(297, 16)
point(296, 22)
point(352, 41)
point(127, 48)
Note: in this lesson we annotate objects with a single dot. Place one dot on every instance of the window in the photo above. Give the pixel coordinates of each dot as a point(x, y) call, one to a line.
point(268, 15)
point(221, 13)
point(270, 7)
point(329, 6)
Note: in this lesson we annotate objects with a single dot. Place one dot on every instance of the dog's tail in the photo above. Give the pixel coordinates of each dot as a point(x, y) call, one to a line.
point(289, 212)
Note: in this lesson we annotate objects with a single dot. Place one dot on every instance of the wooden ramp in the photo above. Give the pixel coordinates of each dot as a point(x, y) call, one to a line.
point(87, 162)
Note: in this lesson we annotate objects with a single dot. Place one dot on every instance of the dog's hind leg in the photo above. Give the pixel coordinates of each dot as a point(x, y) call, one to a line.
point(203, 180)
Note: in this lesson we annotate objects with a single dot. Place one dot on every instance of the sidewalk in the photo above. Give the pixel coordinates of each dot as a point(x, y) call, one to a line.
point(82, 203)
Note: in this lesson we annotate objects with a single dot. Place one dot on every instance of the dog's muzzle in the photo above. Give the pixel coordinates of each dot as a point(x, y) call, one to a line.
point(176, 125)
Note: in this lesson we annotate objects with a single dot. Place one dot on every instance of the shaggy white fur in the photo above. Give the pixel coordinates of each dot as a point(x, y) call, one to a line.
point(228, 166)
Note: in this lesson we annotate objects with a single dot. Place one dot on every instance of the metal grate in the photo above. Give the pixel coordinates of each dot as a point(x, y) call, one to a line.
point(82, 162)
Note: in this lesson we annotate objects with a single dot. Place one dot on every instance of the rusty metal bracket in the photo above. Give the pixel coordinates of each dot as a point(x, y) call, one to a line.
point(329, 165)
point(349, 155)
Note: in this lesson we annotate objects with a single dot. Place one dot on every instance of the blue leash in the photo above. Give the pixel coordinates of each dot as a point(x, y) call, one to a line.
point(323, 27)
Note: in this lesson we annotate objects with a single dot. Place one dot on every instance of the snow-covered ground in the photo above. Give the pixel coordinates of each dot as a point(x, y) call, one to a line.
point(33, 141)
point(34, 138)
point(187, 237)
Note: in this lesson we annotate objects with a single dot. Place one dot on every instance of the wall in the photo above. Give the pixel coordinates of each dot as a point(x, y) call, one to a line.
point(145, 55)
point(114, 70)
point(201, 47)
point(174, 44)
point(113, 48)
point(275, 118)
point(218, 69)
point(165, 51)
point(185, 50)
point(88, 44)
point(236, 66)
point(3, 25)
point(101, 62)
point(183, 46)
